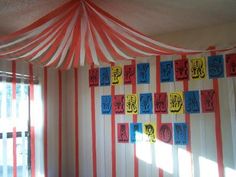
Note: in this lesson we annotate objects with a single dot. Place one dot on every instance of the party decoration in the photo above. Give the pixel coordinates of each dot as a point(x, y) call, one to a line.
point(215, 66)
point(136, 132)
point(131, 104)
point(93, 77)
point(198, 68)
point(160, 103)
point(116, 75)
point(123, 132)
point(105, 76)
point(167, 74)
point(149, 132)
point(129, 74)
point(176, 103)
point(106, 104)
point(145, 103)
point(143, 70)
point(180, 133)
point(165, 133)
point(181, 70)
point(231, 65)
point(192, 104)
point(118, 103)
point(208, 100)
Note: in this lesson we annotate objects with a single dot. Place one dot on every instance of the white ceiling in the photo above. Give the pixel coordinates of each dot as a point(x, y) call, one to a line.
point(151, 17)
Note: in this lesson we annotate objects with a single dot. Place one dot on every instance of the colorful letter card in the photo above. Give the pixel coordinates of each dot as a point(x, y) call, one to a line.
point(167, 74)
point(93, 77)
point(116, 75)
point(160, 103)
point(231, 65)
point(106, 104)
point(216, 66)
point(176, 103)
point(143, 70)
point(145, 103)
point(181, 133)
point(131, 104)
point(165, 133)
point(136, 132)
point(198, 68)
point(105, 76)
point(123, 132)
point(129, 74)
point(118, 103)
point(149, 132)
point(208, 100)
point(192, 104)
point(181, 70)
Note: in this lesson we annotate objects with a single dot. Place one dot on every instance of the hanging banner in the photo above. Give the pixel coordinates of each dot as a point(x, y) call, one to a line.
point(123, 132)
point(131, 104)
point(136, 132)
point(198, 68)
point(105, 76)
point(231, 65)
point(208, 100)
point(143, 70)
point(129, 74)
point(149, 132)
point(181, 70)
point(93, 77)
point(160, 103)
point(145, 103)
point(167, 73)
point(118, 102)
point(116, 75)
point(106, 104)
point(165, 133)
point(176, 103)
point(180, 133)
point(216, 66)
point(192, 104)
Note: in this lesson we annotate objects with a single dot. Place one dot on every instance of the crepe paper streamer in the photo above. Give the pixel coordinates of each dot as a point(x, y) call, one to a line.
point(181, 70)
point(145, 103)
point(123, 132)
point(136, 132)
point(231, 65)
point(105, 76)
point(129, 74)
point(176, 103)
point(118, 103)
point(93, 77)
point(116, 75)
point(208, 100)
point(165, 133)
point(143, 72)
point(180, 133)
point(160, 103)
point(167, 72)
point(216, 66)
point(149, 130)
point(192, 104)
point(106, 104)
point(198, 68)
point(131, 104)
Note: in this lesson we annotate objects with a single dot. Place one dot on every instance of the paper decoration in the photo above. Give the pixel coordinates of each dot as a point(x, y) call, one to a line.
point(160, 103)
point(116, 75)
point(131, 104)
point(106, 104)
point(165, 133)
point(181, 70)
point(118, 103)
point(192, 104)
point(143, 70)
point(231, 65)
point(167, 74)
point(198, 68)
point(145, 103)
point(105, 76)
point(136, 132)
point(149, 132)
point(180, 133)
point(208, 100)
point(93, 77)
point(129, 74)
point(176, 103)
point(216, 66)
point(123, 132)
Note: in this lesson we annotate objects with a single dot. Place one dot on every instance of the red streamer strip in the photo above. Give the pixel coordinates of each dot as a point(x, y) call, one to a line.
point(60, 125)
point(76, 124)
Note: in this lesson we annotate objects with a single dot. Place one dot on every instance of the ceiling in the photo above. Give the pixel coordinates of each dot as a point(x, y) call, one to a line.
point(151, 17)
